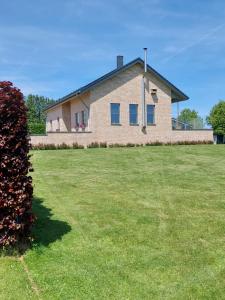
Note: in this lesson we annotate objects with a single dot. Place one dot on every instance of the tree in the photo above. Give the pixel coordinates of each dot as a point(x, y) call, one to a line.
point(191, 117)
point(16, 188)
point(216, 118)
point(187, 115)
point(36, 116)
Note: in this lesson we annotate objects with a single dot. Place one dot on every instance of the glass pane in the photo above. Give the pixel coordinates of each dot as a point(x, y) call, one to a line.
point(115, 113)
point(150, 114)
point(115, 108)
point(115, 119)
point(133, 113)
point(76, 119)
point(85, 117)
point(82, 117)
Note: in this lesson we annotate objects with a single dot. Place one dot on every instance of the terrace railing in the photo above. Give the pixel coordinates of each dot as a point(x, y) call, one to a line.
point(195, 124)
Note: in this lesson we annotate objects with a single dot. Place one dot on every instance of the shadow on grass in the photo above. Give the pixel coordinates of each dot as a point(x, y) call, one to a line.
point(47, 230)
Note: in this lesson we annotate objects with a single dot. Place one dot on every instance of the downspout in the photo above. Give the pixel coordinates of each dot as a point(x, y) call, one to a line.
point(143, 91)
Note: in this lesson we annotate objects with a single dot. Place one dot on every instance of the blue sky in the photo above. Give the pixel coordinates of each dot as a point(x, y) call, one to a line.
point(53, 47)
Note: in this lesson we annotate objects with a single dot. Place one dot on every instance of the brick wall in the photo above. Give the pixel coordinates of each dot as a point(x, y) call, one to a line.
point(89, 137)
point(124, 88)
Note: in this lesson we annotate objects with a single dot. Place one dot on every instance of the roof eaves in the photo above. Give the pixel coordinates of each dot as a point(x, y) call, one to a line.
point(87, 87)
point(176, 91)
point(180, 96)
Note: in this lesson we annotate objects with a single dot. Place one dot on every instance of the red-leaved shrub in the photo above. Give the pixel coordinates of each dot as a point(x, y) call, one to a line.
point(16, 188)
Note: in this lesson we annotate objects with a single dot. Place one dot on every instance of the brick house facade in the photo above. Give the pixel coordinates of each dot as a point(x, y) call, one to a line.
point(111, 110)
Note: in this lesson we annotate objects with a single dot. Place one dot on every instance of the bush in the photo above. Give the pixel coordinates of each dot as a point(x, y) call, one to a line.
point(103, 145)
point(77, 146)
point(156, 143)
point(56, 147)
point(63, 146)
point(97, 145)
point(44, 147)
point(179, 143)
point(36, 128)
point(16, 188)
point(116, 145)
point(93, 145)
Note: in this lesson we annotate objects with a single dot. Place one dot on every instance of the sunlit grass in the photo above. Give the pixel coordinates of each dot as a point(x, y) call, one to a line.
point(129, 223)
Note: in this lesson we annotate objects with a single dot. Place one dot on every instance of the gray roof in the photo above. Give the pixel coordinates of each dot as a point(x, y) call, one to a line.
point(177, 95)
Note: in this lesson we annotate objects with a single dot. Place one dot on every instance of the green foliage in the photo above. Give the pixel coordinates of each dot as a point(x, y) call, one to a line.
point(16, 188)
point(216, 118)
point(187, 115)
point(77, 146)
point(36, 128)
point(93, 145)
point(56, 147)
point(191, 117)
point(197, 123)
point(36, 115)
point(104, 145)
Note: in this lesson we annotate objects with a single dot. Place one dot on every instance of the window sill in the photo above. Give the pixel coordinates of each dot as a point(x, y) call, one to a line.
point(116, 124)
point(134, 124)
point(151, 124)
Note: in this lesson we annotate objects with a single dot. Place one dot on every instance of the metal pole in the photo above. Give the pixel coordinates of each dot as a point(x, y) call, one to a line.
point(145, 52)
point(143, 102)
point(143, 90)
point(178, 113)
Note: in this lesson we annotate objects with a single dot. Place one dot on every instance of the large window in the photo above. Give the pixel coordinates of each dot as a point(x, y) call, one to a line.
point(150, 114)
point(86, 117)
point(82, 118)
point(115, 113)
point(133, 112)
point(58, 124)
point(76, 120)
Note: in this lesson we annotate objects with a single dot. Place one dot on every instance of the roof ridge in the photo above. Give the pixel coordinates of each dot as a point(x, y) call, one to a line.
point(101, 78)
point(112, 73)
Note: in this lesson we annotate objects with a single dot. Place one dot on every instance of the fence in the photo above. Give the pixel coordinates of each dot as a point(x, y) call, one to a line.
point(194, 124)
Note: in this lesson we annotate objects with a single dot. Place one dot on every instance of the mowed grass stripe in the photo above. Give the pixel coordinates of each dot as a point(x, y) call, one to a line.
point(130, 223)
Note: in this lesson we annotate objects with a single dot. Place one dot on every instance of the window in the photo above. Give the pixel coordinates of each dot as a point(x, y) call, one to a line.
point(76, 120)
point(133, 111)
point(83, 117)
point(58, 124)
point(115, 113)
point(86, 118)
point(50, 125)
point(150, 114)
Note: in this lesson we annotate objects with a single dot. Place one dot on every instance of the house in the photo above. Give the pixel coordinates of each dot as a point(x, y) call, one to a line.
point(131, 104)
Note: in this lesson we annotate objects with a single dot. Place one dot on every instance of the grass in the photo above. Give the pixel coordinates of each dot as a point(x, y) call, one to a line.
point(129, 223)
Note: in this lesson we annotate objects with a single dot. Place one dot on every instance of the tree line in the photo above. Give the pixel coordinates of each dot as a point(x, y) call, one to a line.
point(36, 115)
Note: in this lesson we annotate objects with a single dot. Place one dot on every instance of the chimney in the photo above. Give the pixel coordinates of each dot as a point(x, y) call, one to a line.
point(119, 60)
point(145, 59)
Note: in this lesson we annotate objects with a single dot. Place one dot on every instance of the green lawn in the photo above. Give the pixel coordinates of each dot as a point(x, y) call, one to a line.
point(125, 223)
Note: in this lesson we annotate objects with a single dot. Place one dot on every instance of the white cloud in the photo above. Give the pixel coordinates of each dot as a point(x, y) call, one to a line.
point(26, 85)
point(195, 42)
